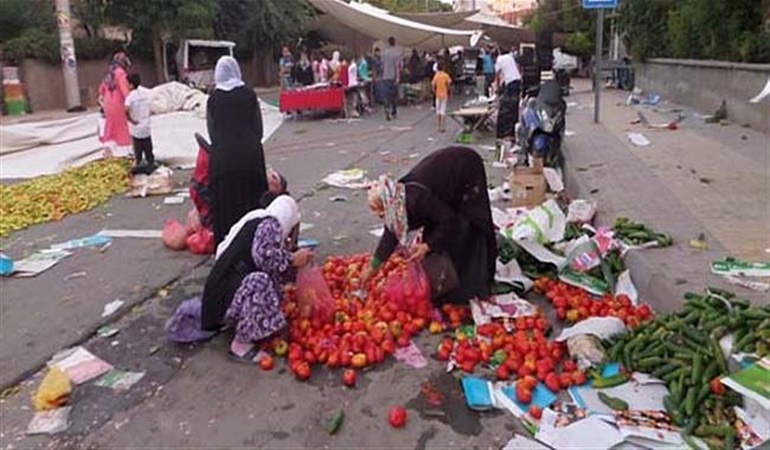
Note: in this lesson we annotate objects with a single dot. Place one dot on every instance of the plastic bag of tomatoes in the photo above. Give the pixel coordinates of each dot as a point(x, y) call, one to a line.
point(409, 290)
point(313, 295)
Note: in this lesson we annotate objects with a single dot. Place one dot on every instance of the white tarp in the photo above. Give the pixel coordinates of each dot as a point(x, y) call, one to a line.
point(379, 25)
point(31, 149)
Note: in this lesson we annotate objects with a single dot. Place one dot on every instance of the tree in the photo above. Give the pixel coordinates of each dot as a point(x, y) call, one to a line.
point(161, 20)
point(579, 44)
point(411, 6)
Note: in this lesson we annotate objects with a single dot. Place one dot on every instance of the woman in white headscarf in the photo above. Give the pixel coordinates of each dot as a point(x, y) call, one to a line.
point(245, 287)
point(237, 176)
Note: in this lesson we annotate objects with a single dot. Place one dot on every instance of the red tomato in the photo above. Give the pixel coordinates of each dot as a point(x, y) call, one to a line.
point(266, 363)
point(570, 366)
point(717, 388)
point(536, 412)
point(397, 416)
point(502, 372)
point(523, 395)
point(565, 379)
point(529, 382)
point(302, 370)
point(349, 377)
point(552, 382)
point(579, 377)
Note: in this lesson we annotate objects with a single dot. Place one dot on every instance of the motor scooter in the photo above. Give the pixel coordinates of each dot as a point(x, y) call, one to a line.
point(542, 121)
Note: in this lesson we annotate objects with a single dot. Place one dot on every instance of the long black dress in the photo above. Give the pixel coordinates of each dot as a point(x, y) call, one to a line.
point(237, 175)
point(446, 194)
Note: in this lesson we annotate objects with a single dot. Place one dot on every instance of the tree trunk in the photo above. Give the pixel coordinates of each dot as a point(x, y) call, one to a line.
point(157, 51)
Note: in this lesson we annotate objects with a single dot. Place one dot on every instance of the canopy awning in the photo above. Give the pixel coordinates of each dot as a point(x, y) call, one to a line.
point(378, 24)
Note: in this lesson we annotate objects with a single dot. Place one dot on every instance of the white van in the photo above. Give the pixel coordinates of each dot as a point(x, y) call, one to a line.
point(192, 61)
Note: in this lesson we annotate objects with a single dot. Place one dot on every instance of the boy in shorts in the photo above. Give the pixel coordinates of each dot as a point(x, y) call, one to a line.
point(441, 84)
point(138, 112)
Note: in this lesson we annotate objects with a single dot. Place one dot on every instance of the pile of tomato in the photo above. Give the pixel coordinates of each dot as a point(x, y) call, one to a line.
point(573, 304)
point(364, 331)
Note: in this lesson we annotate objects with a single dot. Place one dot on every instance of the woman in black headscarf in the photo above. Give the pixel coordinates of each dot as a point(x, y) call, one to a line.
point(237, 174)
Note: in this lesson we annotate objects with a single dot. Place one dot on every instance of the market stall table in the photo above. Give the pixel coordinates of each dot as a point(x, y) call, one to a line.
point(473, 117)
point(327, 99)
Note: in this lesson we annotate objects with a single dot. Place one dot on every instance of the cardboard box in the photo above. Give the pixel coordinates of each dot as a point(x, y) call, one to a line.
point(528, 187)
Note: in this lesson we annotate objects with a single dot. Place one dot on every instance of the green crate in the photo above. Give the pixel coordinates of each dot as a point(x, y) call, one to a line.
point(16, 107)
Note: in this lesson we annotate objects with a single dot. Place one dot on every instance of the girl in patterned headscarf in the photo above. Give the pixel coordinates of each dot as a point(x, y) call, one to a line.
point(112, 97)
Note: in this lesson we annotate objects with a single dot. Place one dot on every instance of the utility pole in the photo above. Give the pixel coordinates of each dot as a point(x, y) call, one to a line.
point(69, 62)
point(598, 62)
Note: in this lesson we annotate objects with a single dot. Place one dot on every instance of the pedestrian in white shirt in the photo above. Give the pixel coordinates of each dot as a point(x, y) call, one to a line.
point(138, 112)
point(508, 88)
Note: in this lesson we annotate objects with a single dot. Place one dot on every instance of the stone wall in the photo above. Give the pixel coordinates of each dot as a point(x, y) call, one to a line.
point(703, 85)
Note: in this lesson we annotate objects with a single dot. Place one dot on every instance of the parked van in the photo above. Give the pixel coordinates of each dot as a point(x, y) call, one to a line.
point(192, 61)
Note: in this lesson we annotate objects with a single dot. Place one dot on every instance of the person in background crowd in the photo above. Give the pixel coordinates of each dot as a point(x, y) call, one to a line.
point(304, 71)
point(316, 71)
point(352, 85)
point(415, 67)
point(441, 83)
point(391, 77)
point(445, 194)
point(237, 175)
point(364, 73)
point(334, 66)
point(323, 69)
point(138, 112)
point(428, 71)
point(508, 87)
point(377, 72)
point(113, 91)
point(487, 69)
point(286, 68)
point(245, 286)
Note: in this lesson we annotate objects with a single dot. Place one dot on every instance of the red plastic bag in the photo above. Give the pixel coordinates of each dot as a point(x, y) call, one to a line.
point(174, 235)
point(313, 295)
point(193, 224)
point(409, 291)
point(201, 242)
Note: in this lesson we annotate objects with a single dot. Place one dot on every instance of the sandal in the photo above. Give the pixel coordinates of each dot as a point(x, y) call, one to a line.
point(252, 356)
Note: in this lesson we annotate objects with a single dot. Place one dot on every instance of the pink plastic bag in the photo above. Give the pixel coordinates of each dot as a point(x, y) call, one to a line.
point(313, 295)
point(201, 242)
point(410, 291)
point(193, 222)
point(174, 235)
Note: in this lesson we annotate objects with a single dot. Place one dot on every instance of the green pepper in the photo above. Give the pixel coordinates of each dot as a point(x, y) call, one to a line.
point(335, 422)
point(615, 380)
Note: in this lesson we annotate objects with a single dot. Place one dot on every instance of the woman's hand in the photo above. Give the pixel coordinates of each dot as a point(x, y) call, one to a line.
point(418, 252)
point(301, 257)
point(366, 274)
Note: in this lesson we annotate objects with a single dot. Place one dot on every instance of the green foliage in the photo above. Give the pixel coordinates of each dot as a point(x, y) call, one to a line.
point(42, 45)
point(262, 24)
point(411, 6)
point(579, 44)
point(700, 29)
point(169, 18)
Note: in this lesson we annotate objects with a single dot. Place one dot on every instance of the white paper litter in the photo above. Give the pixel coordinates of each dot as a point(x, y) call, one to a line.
point(79, 364)
point(541, 253)
point(581, 211)
point(145, 234)
point(511, 273)
point(624, 285)
point(50, 422)
point(173, 200)
point(507, 306)
point(119, 380)
point(38, 262)
point(348, 179)
point(758, 286)
point(590, 432)
point(545, 223)
point(111, 307)
point(378, 232)
point(638, 139)
point(762, 94)
point(520, 442)
point(601, 327)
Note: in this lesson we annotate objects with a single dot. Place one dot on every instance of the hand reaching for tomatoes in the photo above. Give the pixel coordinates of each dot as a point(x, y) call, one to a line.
point(301, 257)
point(418, 252)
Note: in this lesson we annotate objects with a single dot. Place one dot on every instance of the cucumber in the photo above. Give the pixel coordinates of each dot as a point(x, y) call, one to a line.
point(711, 371)
point(335, 423)
point(689, 400)
point(613, 403)
point(697, 370)
point(719, 356)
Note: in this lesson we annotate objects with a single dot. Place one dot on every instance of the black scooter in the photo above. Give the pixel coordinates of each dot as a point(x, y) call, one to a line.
point(540, 130)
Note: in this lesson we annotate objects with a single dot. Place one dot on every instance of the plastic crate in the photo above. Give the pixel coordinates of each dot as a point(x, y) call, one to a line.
point(16, 107)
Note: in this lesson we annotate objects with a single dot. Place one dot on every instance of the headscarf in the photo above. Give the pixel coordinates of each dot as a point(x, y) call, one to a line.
point(283, 208)
point(119, 59)
point(304, 62)
point(227, 74)
point(335, 62)
point(393, 197)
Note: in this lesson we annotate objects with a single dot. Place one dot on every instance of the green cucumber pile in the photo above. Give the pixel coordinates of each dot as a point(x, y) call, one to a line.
point(637, 233)
point(683, 350)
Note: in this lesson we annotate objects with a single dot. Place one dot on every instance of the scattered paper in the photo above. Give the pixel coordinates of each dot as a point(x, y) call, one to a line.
point(305, 227)
point(96, 240)
point(575, 429)
point(145, 234)
point(79, 364)
point(347, 179)
point(762, 94)
point(478, 393)
point(378, 232)
point(652, 425)
point(541, 253)
point(411, 355)
point(511, 273)
point(111, 307)
point(639, 396)
point(638, 139)
point(748, 284)
point(624, 285)
point(569, 133)
point(338, 198)
point(752, 382)
point(107, 331)
point(507, 306)
point(38, 262)
point(50, 422)
point(581, 211)
point(520, 442)
point(601, 327)
point(74, 275)
point(730, 266)
point(756, 429)
point(119, 380)
point(173, 200)
point(543, 224)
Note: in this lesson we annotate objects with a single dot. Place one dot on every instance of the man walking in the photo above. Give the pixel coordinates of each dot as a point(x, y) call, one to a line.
point(508, 88)
point(391, 76)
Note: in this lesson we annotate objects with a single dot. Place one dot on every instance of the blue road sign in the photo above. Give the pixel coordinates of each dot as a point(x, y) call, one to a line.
point(594, 4)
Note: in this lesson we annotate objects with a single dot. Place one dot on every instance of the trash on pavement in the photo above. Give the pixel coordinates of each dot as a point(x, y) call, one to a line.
point(762, 94)
point(338, 198)
point(581, 211)
point(50, 422)
point(601, 327)
point(335, 422)
point(145, 234)
point(648, 428)
point(699, 243)
point(74, 275)
point(111, 307)
point(303, 226)
point(752, 382)
point(519, 442)
point(348, 179)
point(528, 186)
point(119, 380)
point(511, 273)
point(307, 243)
point(478, 393)
point(377, 232)
point(543, 224)
point(79, 364)
point(638, 139)
point(731, 266)
point(411, 355)
point(185, 324)
point(39, 262)
point(53, 392)
point(755, 429)
point(158, 183)
point(174, 235)
point(748, 284)
point(554, 179)
point(173, 200)
point(586, 349)
point(6, 265)
point(499, 193)
point(642, 392)
point(570, 426)
point(507, 306)
point(107, 331)
point(96, 240)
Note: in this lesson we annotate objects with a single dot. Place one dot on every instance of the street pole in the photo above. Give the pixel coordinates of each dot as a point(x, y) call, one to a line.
point(598, 62)
point(68, 61)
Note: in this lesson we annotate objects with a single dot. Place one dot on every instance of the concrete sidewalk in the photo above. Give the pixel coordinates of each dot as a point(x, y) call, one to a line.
point(708, 179)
